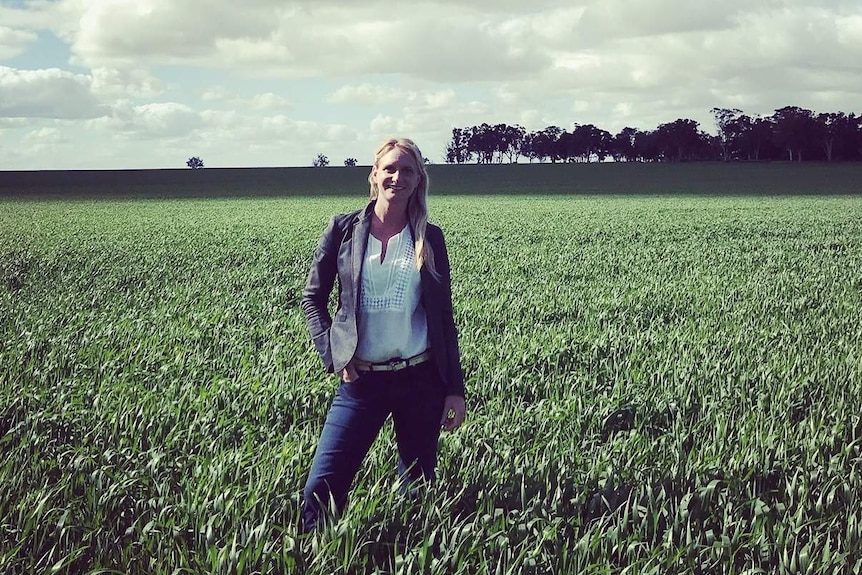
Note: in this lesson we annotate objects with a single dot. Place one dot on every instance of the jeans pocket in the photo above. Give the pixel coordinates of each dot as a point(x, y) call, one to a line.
point(360, 376)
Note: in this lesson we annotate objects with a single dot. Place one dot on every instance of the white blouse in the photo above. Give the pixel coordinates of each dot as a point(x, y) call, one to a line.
point(391, 319)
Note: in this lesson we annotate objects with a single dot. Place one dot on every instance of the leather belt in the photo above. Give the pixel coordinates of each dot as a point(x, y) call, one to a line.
point(394, 364)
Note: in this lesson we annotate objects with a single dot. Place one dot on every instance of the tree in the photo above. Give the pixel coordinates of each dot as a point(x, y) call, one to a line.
point(542, 144)
point(511, 139)
point(729, 130)
point(795, 129)
point(753, 135)
point(588, 142)
point(456, 149)
point(195, 163)
point(320, 161)
point(681, 140)
point(645, 146)
point(482, 141)
point(837, 131)
point(622, 146)
point(350, 162)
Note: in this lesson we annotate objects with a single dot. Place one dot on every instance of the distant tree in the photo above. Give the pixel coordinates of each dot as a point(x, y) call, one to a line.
point(754, 135)
point(527, 148)
point(795, 130)
point(681, 140)
point(511, 140)
point(350, 162)
point(195, 163)
point(482, 142)
point(622, 145)
point(589, 142)
point(320, 161)
point(456, 149)
point(729, 130)
point(543, 144)
point(645, 146)
point(838, 132)
point(568, 147)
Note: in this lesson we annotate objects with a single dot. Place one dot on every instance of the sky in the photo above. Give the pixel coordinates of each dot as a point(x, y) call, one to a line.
point(130, 84)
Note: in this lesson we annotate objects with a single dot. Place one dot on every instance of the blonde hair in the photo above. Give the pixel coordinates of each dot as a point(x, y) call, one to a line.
point(417, 207)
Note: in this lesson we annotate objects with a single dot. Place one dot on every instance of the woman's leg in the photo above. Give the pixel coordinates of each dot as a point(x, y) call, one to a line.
point(353, 422)
point(417, 408)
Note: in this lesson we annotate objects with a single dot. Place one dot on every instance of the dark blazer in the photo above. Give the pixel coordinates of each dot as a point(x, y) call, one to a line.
point(339, 253)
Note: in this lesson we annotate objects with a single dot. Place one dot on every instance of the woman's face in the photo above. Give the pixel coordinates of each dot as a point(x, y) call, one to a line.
point(396, 176)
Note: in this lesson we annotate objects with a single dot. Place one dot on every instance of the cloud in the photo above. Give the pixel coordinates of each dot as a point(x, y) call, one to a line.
point(43, 139)
point(263, 102)
point(14, 42)
point(365, 94)
point(368, 94)
point(9, 123)
point(418, 71)
point(152, 31)
point(50, 93)
point(300, 40)
point(126, 83)
point(268, 102)
point(214, 94)
point(151, 121)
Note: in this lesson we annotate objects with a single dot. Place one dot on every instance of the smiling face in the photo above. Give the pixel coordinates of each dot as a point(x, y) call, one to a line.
point(396, 176)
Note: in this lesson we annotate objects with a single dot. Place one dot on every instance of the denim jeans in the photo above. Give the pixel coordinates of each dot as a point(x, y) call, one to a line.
point(413, 396)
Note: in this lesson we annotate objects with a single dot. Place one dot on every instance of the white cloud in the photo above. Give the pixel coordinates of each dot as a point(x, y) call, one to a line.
point(9, 123)
point(382, 124)
point(43, 139)
point(268, 102)
point(161, 30)
point(153, 66)
point(151, 121)
point(50, 93)
point(214, 94)
point(850, 32)
point(366, 93)
point(14, 42)
point(126, 83)
point(263, 102)
point(308, 40)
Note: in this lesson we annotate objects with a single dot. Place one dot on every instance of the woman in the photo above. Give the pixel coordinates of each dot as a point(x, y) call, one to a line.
point(393, 339)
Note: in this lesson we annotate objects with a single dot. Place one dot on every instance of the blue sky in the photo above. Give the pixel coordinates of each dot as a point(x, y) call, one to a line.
point(113, 84)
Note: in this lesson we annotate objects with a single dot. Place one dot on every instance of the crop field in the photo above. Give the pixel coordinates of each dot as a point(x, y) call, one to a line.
point(656, 384)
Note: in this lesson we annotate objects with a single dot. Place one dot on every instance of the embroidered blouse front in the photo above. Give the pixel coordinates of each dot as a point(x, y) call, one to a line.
point(391, 320)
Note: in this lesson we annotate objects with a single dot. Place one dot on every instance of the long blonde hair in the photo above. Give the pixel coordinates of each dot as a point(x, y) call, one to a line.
point(417, 207)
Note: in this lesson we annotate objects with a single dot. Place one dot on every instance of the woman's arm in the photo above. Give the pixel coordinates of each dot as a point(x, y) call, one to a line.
point(315, 295)
point(454, 372)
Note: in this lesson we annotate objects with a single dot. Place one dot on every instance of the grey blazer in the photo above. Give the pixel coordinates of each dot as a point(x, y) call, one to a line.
point(339, 253)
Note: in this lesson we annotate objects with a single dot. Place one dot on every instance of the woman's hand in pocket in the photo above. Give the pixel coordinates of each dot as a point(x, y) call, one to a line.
point(349, 372)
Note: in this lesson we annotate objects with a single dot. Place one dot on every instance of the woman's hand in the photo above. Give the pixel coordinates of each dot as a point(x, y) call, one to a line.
point(349, 372)
point(454, 411)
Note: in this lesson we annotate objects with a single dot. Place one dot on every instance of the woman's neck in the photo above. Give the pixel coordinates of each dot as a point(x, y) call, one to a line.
point(388, 219)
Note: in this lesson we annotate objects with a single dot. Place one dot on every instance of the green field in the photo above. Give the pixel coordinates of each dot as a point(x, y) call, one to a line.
point(656, 384)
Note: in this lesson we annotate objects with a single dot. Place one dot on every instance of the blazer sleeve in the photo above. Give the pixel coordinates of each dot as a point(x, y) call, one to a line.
point(315, 295)
point(454, 371)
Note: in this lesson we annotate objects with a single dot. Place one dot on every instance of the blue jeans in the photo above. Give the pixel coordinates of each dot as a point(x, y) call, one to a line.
point(413, 396)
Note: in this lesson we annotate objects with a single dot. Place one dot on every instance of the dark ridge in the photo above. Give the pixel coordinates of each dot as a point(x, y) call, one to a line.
point(704, 178)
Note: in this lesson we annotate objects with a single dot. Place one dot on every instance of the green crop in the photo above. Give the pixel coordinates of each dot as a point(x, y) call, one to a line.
point(656, 385)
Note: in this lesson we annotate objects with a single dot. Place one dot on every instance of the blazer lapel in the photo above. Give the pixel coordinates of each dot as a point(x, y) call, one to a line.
point(361, 229)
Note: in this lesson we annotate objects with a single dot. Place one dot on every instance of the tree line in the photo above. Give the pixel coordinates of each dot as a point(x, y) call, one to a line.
point(791, 133)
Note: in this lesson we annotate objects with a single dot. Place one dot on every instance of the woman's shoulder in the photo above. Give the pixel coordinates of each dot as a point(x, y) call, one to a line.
point(433, 232)
point(343, 221)
point(347, 218)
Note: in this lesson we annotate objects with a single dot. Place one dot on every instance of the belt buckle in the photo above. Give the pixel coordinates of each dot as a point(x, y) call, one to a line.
point(396, 364)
